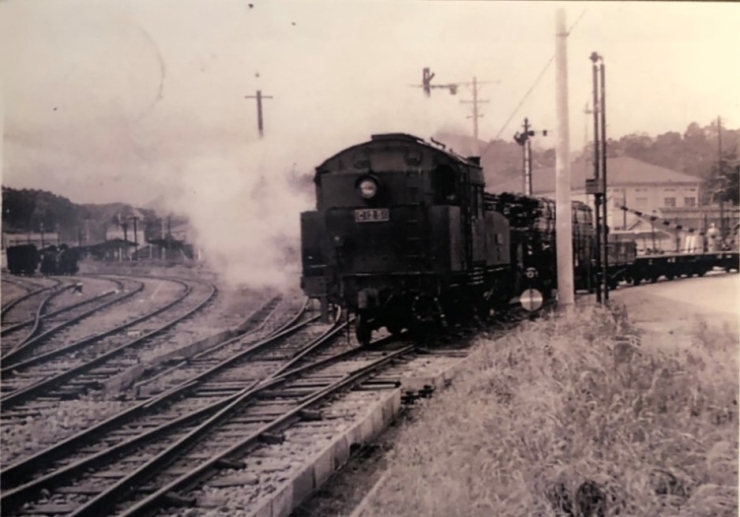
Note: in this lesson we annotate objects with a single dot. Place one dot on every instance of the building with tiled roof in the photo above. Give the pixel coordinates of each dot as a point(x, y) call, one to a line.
point(636, 184)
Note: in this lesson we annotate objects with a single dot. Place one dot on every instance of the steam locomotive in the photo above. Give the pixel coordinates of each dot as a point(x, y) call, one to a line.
point(404, 235)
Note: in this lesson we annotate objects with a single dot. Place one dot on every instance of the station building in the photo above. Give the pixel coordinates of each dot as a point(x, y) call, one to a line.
point(650, 189)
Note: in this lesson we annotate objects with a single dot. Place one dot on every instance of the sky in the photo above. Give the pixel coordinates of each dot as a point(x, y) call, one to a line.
point(105, 100)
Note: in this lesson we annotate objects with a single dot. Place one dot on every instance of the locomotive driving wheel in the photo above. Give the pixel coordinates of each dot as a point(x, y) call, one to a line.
point(363, 332)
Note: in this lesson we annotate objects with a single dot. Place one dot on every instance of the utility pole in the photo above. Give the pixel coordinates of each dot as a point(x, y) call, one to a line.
point(605, 204)
point(476, 115)
point(564, 214)
point(259, 97)
point(720, 178)
point(41, 225)
point(136, 237)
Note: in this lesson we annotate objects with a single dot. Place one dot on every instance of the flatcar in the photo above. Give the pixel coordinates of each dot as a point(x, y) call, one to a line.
point(404, 235)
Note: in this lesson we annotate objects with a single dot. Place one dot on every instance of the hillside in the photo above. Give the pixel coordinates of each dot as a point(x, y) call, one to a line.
point(32, 210)
point(695, 152)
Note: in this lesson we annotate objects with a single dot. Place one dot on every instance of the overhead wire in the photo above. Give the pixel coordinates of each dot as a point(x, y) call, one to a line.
point(535, 83)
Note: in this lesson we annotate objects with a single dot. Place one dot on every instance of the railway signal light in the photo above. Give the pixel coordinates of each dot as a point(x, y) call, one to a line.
point(426, 81)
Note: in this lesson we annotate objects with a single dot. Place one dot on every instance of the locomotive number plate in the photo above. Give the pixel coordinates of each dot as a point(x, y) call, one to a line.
point(371, 215)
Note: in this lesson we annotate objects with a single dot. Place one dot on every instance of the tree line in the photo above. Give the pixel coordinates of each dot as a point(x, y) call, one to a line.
point(34, 210)
point(696, 152)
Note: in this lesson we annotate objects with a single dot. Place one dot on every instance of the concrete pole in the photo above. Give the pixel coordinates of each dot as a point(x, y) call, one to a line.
point(563, 217)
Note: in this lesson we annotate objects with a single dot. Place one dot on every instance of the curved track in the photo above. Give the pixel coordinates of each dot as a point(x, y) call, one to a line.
point(193, 400)
point(60, 318)
point(14, 305)
point(50, 368)
point(196, 390)
point(92, 484)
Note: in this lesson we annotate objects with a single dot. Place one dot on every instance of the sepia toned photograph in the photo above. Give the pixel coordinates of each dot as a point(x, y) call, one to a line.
point(369, 258)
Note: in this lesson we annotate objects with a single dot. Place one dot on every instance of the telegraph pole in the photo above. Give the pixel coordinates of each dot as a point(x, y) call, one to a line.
point(476, 115)
point(136, 238)
point(259, 97)
point(564, 215)
point(720, 178)
point(605, 204)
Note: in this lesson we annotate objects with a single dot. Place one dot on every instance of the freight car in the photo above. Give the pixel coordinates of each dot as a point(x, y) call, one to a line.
point(60, 260)
point(404, 235)
point(23, 259)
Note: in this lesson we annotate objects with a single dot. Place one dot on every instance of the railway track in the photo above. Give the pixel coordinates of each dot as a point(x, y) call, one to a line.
point(127, 457)
point(62, 317)
point(14, 288)
point(205, 387)
point(60, 371)
point(262, 324)
point(18, 305)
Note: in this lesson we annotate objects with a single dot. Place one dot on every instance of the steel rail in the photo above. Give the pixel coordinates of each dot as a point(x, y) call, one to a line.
point(22, 394)
point(160, 497)
point(14, 497)
point(9, 370)
point(16, 473)
point(36, 320)
point(8, 306)
point(11, 360)
point(255, 348)
point(61, 310)
point(39, 314)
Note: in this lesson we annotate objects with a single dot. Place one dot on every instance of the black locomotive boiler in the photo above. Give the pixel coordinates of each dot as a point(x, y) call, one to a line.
point(404, 235)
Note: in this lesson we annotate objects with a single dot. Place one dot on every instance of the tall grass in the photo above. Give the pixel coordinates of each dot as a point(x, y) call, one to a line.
point(577, 415)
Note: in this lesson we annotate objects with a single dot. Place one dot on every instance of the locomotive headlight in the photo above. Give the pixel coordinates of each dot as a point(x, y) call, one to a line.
point(368, 188)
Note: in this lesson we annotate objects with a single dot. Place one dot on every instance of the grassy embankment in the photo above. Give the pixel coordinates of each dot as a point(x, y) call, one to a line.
point(576, 416)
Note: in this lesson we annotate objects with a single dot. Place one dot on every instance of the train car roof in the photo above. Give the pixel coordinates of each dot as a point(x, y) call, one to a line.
point(403, 138)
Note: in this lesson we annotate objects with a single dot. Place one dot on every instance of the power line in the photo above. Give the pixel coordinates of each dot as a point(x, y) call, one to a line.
point(536, 81)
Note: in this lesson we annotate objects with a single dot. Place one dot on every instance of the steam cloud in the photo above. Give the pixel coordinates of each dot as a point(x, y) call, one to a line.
point(244, 201)
point(244, 209)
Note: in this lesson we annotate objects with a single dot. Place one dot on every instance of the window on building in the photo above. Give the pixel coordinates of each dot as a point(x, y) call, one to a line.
point(669, 202)
point(641, 202)
point(689, 201)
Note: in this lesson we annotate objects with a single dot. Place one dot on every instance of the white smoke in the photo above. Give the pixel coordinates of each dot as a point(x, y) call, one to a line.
point(244, 208)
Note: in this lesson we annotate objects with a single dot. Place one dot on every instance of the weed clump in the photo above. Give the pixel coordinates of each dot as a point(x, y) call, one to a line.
point(577, 415)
